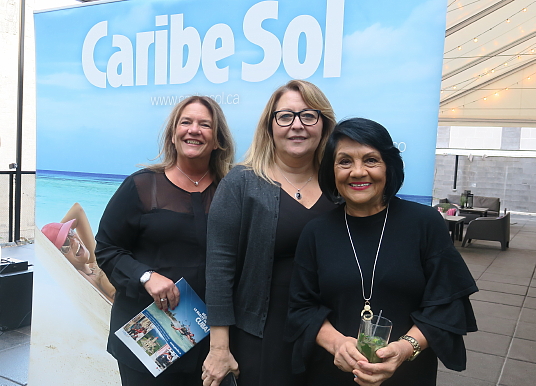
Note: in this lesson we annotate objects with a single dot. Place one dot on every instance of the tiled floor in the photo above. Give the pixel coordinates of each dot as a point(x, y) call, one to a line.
point(501, 353)
point(15, 344)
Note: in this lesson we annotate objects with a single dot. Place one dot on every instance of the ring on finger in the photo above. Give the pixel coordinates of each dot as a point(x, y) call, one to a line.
point(163, 299)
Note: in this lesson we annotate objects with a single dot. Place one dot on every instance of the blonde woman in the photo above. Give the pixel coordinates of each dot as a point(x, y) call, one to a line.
point(254, 224)
point(153, 231)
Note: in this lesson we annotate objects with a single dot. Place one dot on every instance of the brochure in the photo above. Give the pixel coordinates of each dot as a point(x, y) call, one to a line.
point(158, 338)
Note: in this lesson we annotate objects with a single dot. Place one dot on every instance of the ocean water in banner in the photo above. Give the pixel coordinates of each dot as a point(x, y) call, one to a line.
point(109, 73)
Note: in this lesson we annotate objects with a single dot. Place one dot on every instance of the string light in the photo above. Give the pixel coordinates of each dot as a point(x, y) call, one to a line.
point(485, 98)
point(508, 20)
point(466, 84)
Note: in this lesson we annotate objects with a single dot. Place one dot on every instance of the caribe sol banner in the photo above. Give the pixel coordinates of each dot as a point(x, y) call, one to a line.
point(108, 73)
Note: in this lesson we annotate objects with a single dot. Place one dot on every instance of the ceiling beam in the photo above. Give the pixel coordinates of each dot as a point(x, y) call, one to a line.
point(493, 54)
point(494, 122)
point(488, 82)
point(476, 17)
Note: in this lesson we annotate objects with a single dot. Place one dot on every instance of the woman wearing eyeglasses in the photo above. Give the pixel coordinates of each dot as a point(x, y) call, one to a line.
point(254, 224)
point(74, 239)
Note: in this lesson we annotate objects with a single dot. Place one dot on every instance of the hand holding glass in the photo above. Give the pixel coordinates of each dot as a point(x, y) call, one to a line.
point(373, 335)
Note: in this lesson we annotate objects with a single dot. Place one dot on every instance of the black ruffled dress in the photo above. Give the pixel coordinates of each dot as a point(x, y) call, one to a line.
point(420, 279)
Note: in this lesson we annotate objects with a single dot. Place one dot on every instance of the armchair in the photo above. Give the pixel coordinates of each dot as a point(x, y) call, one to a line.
point(489, 228)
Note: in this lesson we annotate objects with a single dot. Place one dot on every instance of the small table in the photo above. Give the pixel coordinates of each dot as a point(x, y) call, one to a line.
point(482, 212)
point(455, 225)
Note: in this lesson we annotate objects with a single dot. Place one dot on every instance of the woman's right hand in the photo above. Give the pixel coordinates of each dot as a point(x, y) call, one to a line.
point(346, 354)
point(164, 292)
point(217, 365)
point(343, 348)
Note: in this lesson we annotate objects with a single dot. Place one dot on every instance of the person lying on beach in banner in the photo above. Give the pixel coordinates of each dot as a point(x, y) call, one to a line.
point(375, 256)
point(74, 239)
point(153, 232)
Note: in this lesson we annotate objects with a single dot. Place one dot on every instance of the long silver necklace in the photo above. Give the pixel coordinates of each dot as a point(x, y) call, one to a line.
point(196, 183)
point(297, 194)
point(366, 313)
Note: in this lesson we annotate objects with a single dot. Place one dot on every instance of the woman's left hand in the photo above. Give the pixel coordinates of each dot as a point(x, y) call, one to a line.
point(164, 292)
point(373, 374)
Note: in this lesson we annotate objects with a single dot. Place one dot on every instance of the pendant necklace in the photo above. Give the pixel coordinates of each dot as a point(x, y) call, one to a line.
point(297, 194)
point(196, 183)
point(366, 313)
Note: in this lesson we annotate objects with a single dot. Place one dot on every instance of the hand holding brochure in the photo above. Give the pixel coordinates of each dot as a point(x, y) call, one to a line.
point(158, 338)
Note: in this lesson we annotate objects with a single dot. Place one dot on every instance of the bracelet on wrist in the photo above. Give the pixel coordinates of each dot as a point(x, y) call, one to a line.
point(416, 346)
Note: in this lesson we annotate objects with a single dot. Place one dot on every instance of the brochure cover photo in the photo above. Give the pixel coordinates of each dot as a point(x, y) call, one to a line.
point(158, 338)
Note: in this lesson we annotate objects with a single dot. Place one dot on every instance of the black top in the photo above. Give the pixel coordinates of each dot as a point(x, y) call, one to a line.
point(420, 279)
point(151, 224)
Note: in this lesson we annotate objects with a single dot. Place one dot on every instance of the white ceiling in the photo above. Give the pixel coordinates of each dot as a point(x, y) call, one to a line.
point(489, 65)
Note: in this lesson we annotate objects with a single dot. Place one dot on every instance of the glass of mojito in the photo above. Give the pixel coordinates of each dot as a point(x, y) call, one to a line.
point(373, 335)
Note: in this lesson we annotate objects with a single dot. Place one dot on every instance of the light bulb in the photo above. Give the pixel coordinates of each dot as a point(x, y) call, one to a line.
point(508, 20)
point(459, 48)
point(496, 94)
point(475, 40)
point(485, 98)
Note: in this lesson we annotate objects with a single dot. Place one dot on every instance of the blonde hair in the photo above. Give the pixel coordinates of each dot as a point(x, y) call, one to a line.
point(221, 159)
point(261, 153)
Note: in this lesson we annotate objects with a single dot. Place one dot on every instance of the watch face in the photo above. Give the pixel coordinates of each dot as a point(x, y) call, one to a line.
point(145, 277)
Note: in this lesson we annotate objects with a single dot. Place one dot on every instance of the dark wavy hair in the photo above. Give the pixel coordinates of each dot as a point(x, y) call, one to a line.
point(369, 133)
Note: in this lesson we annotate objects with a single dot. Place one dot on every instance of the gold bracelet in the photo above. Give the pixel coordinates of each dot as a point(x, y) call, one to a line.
point(416, 346)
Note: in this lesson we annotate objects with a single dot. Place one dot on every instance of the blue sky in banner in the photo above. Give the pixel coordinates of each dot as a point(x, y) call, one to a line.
point(390, 70)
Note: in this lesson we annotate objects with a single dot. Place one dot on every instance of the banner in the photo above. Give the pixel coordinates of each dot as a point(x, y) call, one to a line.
point(109, 73)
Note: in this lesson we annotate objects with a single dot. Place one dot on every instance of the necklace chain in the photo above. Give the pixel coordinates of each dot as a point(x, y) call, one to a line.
point(297, 194)
point(366, 309)
point(196, 183)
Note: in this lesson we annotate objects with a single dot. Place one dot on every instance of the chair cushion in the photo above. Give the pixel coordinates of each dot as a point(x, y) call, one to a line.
point(493, 203)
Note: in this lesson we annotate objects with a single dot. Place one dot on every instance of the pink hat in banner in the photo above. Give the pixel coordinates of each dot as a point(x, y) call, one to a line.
point(57, 232)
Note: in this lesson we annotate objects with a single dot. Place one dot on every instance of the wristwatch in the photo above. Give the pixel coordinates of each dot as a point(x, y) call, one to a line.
point(416, 346)
point(145, 277)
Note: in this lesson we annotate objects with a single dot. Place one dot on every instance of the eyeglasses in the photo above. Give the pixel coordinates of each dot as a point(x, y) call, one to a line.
point(66, 247)
point(308, 117)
